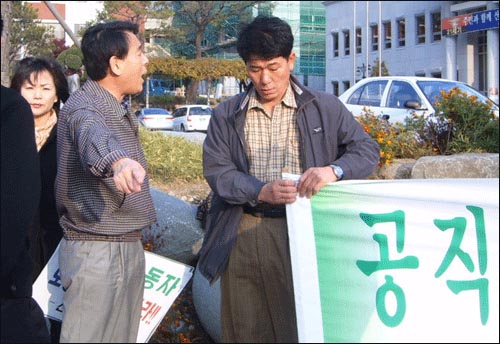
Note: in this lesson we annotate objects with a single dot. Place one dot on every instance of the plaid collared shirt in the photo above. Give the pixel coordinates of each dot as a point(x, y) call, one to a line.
point(273, 138)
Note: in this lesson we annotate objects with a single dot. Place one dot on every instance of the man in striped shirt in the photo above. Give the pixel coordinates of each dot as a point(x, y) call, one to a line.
point(102, 192)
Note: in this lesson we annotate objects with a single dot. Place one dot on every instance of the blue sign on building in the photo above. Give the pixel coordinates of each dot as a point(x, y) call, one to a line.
point(483, 20)
point(477, 21)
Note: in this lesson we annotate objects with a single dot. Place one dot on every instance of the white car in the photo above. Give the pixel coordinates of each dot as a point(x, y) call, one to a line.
point(155, 118)
point(192, 117)
point(397, 97)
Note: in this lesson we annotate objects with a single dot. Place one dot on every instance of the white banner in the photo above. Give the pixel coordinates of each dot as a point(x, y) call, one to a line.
point(164, 280)
point(397, 261)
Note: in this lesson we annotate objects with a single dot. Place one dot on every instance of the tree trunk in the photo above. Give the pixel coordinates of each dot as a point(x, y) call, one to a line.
point(192, 91)
point(7, 24)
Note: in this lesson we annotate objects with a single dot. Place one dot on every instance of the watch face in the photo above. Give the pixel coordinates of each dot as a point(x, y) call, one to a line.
point(338, 171)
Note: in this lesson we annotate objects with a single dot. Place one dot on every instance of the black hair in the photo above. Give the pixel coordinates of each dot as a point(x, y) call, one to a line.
point(102, 41)
point(29, 65)
point(266, 38)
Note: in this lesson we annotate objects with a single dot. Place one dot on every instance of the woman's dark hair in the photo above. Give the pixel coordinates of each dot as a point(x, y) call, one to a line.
point(30, 65)
point(266, 38)
point(102, 41)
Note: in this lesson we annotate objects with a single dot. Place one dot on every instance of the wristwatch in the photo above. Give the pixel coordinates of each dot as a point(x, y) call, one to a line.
point(338, 171)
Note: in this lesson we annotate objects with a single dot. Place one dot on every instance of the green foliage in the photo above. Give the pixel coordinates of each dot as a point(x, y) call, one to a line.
point(385, 71)
point(71, 58)
point(395, 141)
point(473, 126)
point(171, 158)
point(199, 69)
point(168, 101)
point(461, 124)
point(27, 35)
point(489, 138)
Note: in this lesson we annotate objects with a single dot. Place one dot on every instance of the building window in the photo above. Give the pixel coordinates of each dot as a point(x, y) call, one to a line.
point(401, 32)
point(359, 39)
point(419, 73)
point(436, 26)
point(79, 29)
point(335, 86)
point(374, 32)
point(347, 43)
point(346, 84)
point(420, 22)
point(335, 39)
point(387, 35)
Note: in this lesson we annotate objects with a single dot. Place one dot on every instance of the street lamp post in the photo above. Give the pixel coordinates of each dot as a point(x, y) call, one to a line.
point(363, 69)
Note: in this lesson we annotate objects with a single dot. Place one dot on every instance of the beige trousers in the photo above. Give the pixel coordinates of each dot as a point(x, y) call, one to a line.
point(257, 300)
point(104, 284)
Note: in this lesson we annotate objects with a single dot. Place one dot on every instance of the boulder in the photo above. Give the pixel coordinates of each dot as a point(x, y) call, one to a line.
point(467, 165)
point(397, 169)
point(178, 235)
point(177, 232)
point(206, 300)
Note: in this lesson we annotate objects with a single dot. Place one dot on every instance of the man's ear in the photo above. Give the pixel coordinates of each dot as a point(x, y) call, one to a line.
point(291, 61)
point(116, 65)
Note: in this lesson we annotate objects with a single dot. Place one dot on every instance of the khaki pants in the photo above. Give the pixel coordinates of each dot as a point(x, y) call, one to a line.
point(104, 284)
point(257, 300)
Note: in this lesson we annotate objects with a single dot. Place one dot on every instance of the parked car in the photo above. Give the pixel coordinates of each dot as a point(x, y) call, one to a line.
point(155, 118)
point(396, 97)
point(192, 117)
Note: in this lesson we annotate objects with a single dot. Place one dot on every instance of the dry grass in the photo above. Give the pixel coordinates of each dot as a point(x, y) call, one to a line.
point(192, 192)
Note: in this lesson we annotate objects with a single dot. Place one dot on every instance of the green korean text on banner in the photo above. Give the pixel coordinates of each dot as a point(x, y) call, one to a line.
point(397, 261)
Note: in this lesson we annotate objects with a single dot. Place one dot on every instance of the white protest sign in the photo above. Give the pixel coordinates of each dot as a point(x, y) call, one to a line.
point(164, 280)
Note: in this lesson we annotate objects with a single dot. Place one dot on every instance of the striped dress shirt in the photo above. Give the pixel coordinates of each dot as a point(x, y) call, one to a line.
point(94, 131)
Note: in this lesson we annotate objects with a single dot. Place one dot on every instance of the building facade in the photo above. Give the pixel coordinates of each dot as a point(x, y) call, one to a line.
point(455, 40)
point(75, 14)
point(308, 23)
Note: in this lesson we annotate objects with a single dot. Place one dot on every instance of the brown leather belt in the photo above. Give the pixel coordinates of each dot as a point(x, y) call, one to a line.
point(266, 210)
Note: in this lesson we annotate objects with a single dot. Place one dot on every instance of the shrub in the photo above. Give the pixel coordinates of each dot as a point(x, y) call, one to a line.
point(171, 158)
point(395, 141)
point(461, 124)
point(473, 126)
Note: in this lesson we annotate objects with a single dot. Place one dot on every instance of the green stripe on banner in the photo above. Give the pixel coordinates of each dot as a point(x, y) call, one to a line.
point(397, 261)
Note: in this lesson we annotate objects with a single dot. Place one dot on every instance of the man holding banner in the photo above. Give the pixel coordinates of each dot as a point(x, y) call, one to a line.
point(276, 125)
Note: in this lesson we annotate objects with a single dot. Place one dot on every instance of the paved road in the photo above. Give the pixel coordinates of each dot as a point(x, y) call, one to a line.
point(194, 136)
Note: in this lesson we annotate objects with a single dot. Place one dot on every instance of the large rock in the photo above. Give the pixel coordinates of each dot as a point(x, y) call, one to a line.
point(467, 165)
point(397, 169)
point(177, 235)
point(177, 231)
point(206, 300)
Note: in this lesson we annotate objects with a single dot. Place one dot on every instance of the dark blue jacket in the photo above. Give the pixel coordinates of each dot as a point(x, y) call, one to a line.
point(329, 135)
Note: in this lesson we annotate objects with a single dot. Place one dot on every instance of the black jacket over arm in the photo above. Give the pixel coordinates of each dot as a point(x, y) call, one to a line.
point(20, 189)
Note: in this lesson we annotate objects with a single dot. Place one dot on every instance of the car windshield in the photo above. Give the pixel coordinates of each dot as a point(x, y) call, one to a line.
point(155, 111)
point(432, 89)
